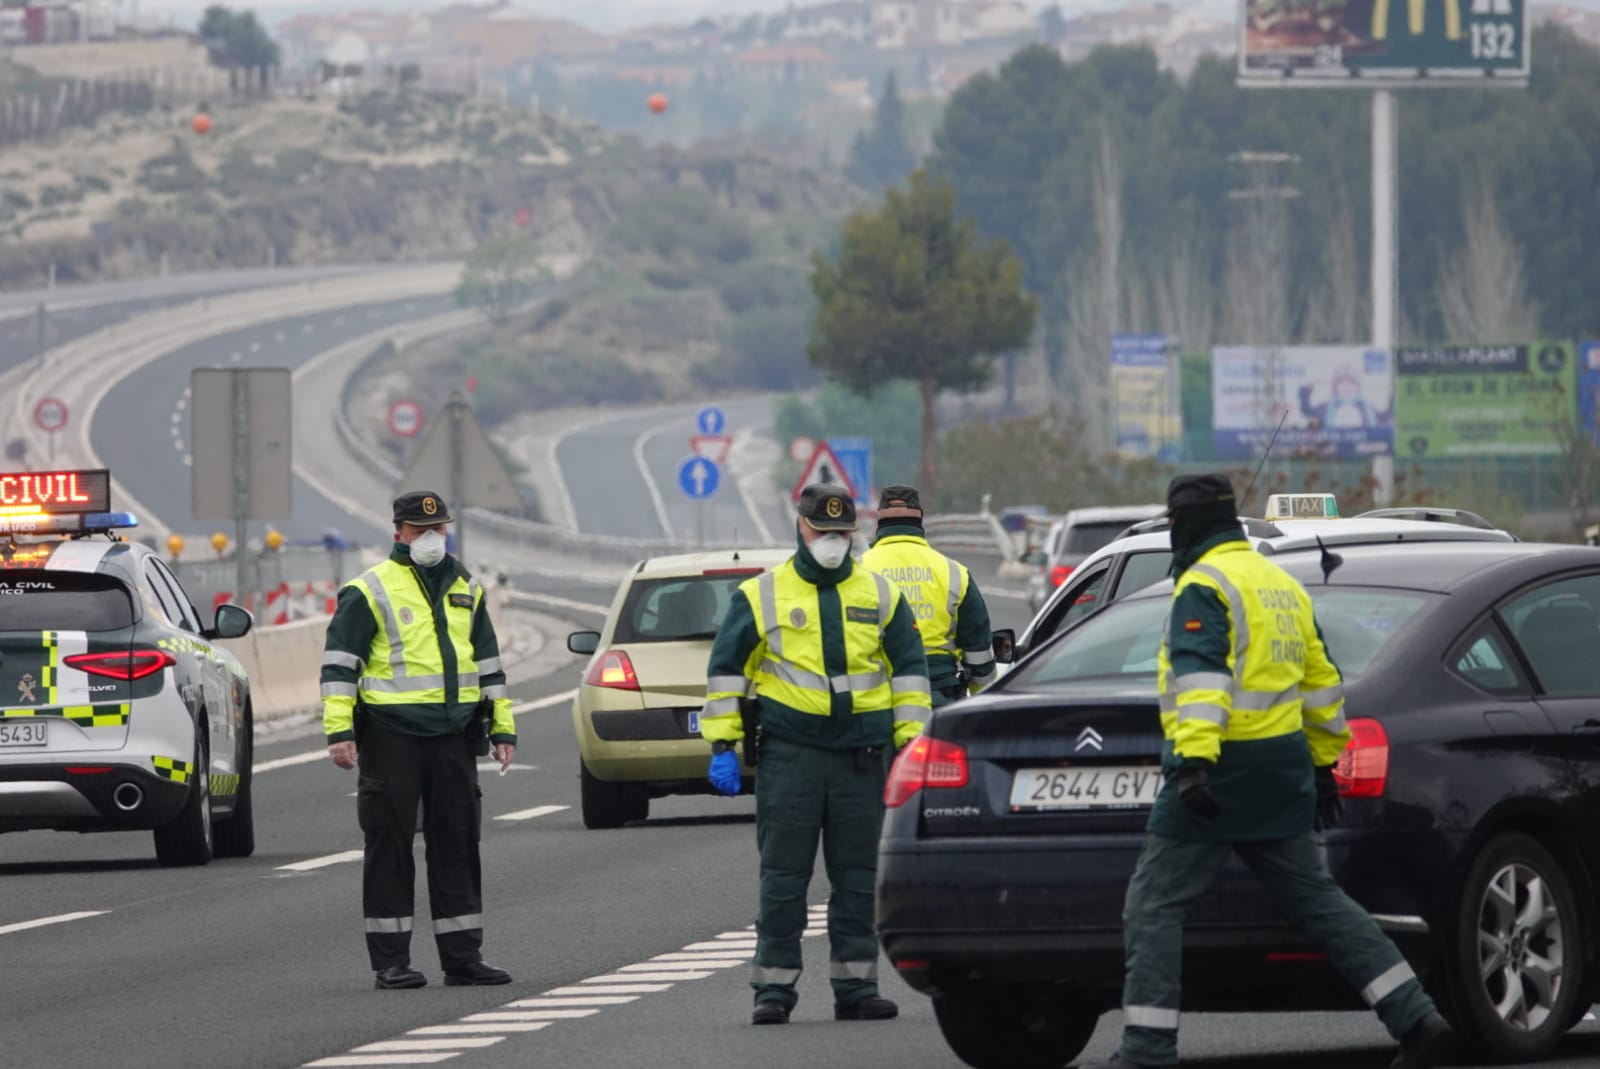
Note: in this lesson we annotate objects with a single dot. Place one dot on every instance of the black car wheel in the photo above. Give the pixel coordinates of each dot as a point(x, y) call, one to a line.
point(606, 805)
point(187, 840)
point(990, 1027)
point(1517, 968)
point(236, 836)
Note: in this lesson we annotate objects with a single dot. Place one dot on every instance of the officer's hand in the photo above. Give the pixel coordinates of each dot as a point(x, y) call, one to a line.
point(724, 773)
point(1195, 792)
point(1330, 807)
point(343, 754)
point(504, 752)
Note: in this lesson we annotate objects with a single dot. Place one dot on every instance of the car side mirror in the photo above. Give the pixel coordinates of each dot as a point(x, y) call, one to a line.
point(584, 642)
point(1005, 645)
point(231, 621)
point(1038, 558)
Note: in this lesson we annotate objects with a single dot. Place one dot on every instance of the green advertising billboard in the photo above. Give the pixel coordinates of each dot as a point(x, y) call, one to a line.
point(1382, 42)
point(1483, 400)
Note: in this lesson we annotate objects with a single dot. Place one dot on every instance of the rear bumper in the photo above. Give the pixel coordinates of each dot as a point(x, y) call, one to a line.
point(1019, 911)
point(50, 796)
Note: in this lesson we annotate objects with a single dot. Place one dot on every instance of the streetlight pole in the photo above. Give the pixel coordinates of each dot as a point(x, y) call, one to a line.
point(1385, 255)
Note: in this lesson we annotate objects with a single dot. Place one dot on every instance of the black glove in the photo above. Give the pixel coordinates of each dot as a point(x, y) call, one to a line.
point(1330, 807)
point(1195, 794)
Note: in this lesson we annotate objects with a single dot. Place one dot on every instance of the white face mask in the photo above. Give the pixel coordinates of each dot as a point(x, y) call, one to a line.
point(428, 549)
point(830, 550)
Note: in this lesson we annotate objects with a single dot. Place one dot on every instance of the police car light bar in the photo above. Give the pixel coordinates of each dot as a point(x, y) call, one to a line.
point(43, 523)
point(55, 493)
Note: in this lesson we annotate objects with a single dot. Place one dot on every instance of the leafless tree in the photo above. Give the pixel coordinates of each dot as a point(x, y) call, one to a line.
point(1483, 293)
point(1336, 311)
point(1256, 275)
point(1184, 298)
point(1095, 299)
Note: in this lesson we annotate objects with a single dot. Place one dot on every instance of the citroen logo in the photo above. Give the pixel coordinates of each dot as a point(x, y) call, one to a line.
point(1087, 738)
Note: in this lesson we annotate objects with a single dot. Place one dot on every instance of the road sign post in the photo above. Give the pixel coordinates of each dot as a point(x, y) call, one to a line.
point(50, 416)
point(241, 428)
point(458, 453)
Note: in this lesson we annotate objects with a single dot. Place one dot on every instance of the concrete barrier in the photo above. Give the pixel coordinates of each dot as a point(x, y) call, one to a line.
point(284, 664)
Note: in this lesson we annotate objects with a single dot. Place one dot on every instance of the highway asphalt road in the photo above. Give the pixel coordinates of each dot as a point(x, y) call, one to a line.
point(259, 963)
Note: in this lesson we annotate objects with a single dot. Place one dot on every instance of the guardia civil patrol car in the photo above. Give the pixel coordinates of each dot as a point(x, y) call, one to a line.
point(118, 710)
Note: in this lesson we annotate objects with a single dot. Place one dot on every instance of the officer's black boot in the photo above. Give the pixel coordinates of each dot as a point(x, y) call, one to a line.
point(397, 977)
point(871, 1008)
point(1430, 1042)
point(478, 974)
point(770, 1011)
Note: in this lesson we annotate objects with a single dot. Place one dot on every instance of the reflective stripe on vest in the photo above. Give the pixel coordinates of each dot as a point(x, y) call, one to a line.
point(405, 664)
point(793, 668)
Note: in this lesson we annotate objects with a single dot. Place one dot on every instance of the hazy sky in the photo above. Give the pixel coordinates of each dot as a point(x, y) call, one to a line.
point(596, 14)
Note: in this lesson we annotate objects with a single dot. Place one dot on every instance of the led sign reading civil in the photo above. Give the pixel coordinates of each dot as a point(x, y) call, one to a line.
point(55, 493)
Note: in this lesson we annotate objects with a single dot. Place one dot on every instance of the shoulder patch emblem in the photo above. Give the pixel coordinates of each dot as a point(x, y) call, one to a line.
point(405, 615)
point(797, 618)
point(1191, 625)
point(857, 614)
point(461, 601)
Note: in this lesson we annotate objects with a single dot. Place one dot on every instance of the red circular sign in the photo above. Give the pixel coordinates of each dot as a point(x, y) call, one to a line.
point(405, 418)
point(50, 414)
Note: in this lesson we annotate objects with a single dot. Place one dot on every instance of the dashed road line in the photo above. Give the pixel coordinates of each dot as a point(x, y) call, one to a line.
point(536, 811)
point(44, 922)
point(399, 1046)
point(588, 998)
point(322, 862)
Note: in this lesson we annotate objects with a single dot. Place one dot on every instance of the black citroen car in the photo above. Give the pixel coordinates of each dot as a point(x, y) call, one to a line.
point(1471, 831)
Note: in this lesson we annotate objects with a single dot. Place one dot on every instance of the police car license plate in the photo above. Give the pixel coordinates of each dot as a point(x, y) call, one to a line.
point(1088, 787)
point(19, 736)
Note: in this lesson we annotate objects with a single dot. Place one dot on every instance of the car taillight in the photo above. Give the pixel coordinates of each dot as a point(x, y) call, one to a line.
point(123, 664)
point(925, 762)
point(1362, 771)
point(612, 669)
point(1059, 573)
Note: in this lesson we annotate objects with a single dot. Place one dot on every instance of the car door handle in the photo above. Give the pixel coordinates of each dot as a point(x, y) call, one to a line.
point(1588, 727)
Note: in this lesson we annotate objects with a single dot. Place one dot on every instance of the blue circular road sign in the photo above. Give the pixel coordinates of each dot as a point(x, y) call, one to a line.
point(711, 420)
point(698, 477)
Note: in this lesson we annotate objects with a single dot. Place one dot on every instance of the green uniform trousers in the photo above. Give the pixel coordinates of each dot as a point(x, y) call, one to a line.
point(1172, 873)
point(802, 794)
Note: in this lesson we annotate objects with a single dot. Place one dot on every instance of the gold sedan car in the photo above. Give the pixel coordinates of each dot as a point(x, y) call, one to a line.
point(637, 713)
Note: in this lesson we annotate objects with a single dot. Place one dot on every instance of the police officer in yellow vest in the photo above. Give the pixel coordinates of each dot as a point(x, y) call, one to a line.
point(1252, 708)
point(832, 655)
point(951, 614)
point(411, 682)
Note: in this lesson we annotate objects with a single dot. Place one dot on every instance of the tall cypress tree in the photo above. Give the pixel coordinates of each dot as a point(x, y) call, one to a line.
point(881, 154)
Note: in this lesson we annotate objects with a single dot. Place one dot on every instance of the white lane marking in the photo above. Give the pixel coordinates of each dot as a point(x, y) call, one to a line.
point(183, 402)
point(381, 1059)
point(657, 966)
point(494, 766)
point(255, 347)
point(743, 942)
point(628, 978)
point(188, 391)
point(322, 862)
point(536, 811)
point(188, 460)
point(235, 358)
point(650, 482)
point(530, 1015)
point(177, 443)
point(392, 1046)
point(612, 989)
point(277, 335)
point(42, 922)
point(177, 417)
point(544, 1001)
point(177, 431)
point(322, 755)
point(308, 328)
point(706, 956)
point(479, 1028)
point(704, 963)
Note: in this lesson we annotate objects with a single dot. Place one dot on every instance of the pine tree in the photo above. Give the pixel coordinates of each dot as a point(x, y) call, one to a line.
point(881, 154)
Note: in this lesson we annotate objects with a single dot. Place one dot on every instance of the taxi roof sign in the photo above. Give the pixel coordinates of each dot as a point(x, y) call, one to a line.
point(55, 493)
point(1302, 507)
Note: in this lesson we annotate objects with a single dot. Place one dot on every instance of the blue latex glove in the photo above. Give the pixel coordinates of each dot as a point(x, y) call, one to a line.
point(725, 772)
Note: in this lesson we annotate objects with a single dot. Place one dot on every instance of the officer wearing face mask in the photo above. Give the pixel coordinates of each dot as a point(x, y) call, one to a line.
point(411, 681)
point(831, 653)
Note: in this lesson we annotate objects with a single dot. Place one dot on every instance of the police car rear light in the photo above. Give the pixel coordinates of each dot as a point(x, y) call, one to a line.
point(924, 762)
point(1285, 957)
point(87, 770)
point(122, 664)
point(612, 669)
point(1059, 573)
point(1362, 771)
point(911, 965)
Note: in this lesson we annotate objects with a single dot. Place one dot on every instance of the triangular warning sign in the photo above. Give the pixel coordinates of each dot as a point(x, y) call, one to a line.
point(823, 467)
point(484, 480)
point(714, 447)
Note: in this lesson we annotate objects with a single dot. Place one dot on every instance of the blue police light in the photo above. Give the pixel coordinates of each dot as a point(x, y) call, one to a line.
point(108, 521)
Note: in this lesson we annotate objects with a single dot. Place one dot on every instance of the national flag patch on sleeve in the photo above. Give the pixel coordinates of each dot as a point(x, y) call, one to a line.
point(1191, 625)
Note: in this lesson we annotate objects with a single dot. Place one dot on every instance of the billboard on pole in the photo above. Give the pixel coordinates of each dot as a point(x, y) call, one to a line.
point(1144, 396)
point(1484, 400)
point(1334, 400)
point(1360, 43)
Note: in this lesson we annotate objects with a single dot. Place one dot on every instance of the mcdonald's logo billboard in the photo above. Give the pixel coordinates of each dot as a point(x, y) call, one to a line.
point(1367, 43)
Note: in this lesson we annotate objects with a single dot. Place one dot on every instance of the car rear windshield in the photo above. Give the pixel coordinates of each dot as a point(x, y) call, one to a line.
point(1083, 539)
point(678, 609)
point(62, 601)
point(1121, 642)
